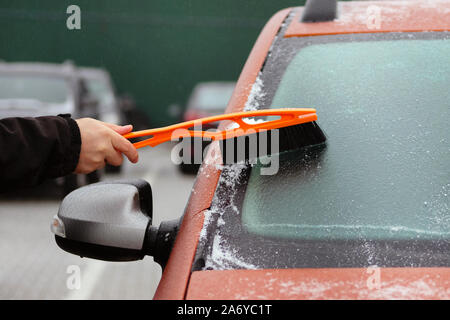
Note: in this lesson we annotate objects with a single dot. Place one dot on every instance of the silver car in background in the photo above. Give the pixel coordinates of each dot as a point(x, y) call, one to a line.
point(99, 84)
point(30, 89)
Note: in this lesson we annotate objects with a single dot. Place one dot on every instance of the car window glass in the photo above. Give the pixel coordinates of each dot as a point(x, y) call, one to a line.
point(384, 173)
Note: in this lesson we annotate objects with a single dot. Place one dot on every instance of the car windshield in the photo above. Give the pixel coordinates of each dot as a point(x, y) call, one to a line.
point(384, 172)
point(46, 89)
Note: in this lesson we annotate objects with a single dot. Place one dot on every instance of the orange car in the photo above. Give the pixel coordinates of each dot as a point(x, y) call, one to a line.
point(366, 216)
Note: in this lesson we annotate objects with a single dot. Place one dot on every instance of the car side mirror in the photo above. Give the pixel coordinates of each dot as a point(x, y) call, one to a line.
point(112, 221)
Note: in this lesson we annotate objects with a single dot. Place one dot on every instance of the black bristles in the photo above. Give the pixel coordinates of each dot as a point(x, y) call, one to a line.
point(301, 135)
point(248, 148)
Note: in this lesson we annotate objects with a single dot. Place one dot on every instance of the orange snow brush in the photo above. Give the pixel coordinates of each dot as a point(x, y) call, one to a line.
point(297, 128)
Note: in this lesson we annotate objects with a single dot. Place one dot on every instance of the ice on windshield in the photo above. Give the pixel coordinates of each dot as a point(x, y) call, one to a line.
point(221, 255)
point(255, 96)
point(384, 174)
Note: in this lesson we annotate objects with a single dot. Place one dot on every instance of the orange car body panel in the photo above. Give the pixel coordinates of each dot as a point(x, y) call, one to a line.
point(348, 283)
point(373, 17)
point(176, 275)
point(178, 282)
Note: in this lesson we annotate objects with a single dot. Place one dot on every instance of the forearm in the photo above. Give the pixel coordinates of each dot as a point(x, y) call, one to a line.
point(32, 149)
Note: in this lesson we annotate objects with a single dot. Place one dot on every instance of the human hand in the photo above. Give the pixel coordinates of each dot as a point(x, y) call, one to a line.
point(103, 143)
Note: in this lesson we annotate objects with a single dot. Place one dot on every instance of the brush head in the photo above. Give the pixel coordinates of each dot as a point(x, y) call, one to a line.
point(249, 147)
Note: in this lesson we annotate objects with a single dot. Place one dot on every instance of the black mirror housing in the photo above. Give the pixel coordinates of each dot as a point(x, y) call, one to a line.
point(112, 221)
point(106, 221)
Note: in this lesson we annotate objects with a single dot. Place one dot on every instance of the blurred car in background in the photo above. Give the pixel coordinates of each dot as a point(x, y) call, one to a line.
point(207, 99)
point(113, 108)
point(99, 84)
point(132, 114)
point(30, 89)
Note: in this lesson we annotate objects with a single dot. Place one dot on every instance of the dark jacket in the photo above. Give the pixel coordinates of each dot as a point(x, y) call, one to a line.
point(33, 149)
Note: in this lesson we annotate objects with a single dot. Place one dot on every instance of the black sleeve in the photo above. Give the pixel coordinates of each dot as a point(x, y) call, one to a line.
point(33, 149)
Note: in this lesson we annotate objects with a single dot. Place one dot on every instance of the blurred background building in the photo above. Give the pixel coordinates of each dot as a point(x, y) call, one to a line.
point(156, 51)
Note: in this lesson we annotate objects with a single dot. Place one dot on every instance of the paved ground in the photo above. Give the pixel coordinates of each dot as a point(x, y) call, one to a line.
point(33, 267)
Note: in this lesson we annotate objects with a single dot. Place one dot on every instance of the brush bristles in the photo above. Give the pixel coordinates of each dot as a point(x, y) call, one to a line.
point(248, 148)
point(299, 136)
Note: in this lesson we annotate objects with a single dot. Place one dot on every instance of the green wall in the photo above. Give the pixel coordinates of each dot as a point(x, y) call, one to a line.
point(156, 50)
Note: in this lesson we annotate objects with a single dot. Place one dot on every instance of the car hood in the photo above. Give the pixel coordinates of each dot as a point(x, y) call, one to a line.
point(332, 283)
point(32, 108)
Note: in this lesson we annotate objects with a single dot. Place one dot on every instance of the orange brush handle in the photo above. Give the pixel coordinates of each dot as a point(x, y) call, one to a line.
point(287, 117)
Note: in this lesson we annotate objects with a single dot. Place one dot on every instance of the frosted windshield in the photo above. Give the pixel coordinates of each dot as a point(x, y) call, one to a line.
point(385, 171)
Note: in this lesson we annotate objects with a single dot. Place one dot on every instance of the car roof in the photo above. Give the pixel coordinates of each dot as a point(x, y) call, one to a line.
point(394, 16)
point(66, 69)
point(177, 274)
